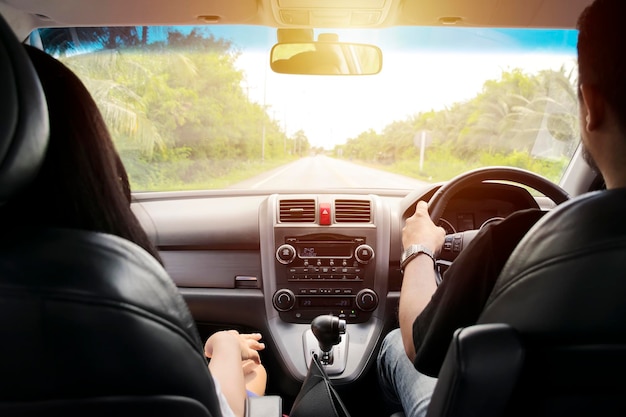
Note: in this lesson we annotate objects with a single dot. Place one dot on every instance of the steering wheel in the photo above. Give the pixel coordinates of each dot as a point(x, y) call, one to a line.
point(438, 202)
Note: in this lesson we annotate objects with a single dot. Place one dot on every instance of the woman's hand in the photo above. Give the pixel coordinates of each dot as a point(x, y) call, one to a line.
point(249, 344)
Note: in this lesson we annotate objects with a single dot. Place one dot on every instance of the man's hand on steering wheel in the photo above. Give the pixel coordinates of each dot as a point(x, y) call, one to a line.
point(420, 229)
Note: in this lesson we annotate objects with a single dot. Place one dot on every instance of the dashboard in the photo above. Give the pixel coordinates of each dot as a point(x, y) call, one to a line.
point(273, 262)
point(474, 207)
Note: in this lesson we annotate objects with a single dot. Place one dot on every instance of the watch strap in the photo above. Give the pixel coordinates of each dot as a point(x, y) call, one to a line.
point(412, 252)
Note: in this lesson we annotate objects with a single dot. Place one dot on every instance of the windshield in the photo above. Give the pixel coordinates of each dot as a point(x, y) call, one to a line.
point(199, 107)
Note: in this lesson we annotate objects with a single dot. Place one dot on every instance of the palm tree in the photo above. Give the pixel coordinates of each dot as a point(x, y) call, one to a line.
point(123, 109)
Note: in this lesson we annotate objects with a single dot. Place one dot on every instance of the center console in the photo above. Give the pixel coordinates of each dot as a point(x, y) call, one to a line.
point(324, 273)
point(325, 254)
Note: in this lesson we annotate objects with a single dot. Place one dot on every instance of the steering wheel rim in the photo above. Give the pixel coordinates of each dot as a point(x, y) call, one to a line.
point(438, 202)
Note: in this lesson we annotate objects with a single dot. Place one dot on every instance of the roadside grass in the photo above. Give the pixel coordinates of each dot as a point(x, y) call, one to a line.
point(186, 175)
point(200, 175)
point(439, 169)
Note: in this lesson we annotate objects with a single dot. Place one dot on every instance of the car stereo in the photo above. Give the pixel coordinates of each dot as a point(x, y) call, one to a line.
point(324, 274)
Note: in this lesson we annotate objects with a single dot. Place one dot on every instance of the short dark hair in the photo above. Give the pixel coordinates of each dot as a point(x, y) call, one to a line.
point(602, 52)
point(82, 183)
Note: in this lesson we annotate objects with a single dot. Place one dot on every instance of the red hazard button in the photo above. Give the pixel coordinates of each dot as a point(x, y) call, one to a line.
point(325, 214)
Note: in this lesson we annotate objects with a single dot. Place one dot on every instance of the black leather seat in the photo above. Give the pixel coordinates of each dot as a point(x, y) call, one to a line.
point(560, 347)
point(91, 324)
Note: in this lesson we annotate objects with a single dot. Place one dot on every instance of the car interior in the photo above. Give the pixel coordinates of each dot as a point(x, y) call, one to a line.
point(93, 325)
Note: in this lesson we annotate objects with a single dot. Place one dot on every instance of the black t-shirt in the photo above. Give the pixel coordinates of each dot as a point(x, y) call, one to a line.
point(462, 295)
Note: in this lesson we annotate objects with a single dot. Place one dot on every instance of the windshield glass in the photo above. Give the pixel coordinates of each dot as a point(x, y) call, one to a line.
point(200, 108)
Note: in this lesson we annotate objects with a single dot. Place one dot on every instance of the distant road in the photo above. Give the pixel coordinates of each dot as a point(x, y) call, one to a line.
point(317, 172)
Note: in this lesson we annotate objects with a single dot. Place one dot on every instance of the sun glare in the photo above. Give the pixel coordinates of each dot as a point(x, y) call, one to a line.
point(332, 109)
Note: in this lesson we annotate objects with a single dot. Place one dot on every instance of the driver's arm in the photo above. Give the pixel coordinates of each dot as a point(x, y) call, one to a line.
point(418, 284)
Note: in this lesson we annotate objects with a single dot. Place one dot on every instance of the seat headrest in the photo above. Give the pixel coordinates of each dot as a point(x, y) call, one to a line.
point(564, 282)
point(23, 116)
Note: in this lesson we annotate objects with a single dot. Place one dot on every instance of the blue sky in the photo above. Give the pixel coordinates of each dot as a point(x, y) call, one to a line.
point(425, 38)
point(419, 38)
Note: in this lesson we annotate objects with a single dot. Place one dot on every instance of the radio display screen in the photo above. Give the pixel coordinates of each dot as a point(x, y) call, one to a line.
point(343, 302)
point(325, 250)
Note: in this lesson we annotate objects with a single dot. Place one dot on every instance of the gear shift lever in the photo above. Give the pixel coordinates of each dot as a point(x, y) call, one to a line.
point(327, 330)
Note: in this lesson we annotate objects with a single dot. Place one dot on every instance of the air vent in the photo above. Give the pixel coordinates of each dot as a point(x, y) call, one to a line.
point(300, 211)
point(353, 211)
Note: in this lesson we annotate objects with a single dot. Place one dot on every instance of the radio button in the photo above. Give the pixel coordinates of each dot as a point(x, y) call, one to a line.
point(284, 300)
point(285, 254)
point(366, 300)
point(364, 253)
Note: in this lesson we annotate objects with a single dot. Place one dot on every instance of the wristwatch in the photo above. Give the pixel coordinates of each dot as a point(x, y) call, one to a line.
point(412, 252)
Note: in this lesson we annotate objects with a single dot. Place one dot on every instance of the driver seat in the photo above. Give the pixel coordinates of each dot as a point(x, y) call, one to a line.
point(552, 337)
point(91, 323)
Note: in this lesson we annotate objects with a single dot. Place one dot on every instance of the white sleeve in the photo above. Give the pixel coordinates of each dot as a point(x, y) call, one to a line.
point(224, 406)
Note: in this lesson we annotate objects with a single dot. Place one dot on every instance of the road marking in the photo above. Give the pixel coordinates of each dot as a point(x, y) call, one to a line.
point(349, 182)
point(271, 177)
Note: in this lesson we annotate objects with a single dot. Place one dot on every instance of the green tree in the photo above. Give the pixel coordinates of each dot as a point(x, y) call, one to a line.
point(519, 120)
point(177, 111)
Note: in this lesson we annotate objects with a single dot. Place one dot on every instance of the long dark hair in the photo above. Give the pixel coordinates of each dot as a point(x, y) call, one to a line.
point(82, 183)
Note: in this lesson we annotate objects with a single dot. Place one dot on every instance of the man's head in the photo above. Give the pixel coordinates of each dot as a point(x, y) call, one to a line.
point(602, 72)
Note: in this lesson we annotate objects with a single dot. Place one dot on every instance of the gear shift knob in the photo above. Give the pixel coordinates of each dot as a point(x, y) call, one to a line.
point(328, 330)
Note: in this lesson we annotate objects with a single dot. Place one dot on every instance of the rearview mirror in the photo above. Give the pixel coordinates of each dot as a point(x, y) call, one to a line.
point(326, 58)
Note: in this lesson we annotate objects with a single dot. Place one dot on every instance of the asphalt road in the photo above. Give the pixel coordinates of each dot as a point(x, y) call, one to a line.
point(322, 172)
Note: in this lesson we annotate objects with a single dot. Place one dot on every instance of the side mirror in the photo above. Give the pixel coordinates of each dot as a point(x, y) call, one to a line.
point(326, 58)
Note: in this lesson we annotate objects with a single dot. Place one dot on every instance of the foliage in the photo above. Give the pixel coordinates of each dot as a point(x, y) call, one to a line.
point(179, 119)
point(521, 120)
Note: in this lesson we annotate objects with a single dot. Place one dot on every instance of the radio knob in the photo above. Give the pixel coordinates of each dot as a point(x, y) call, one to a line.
point(364, 253)
point(285, 254)
point(366, 300)
point(284, 300)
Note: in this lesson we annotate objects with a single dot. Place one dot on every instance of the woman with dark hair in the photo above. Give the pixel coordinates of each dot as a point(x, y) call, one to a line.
point(83, 185)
